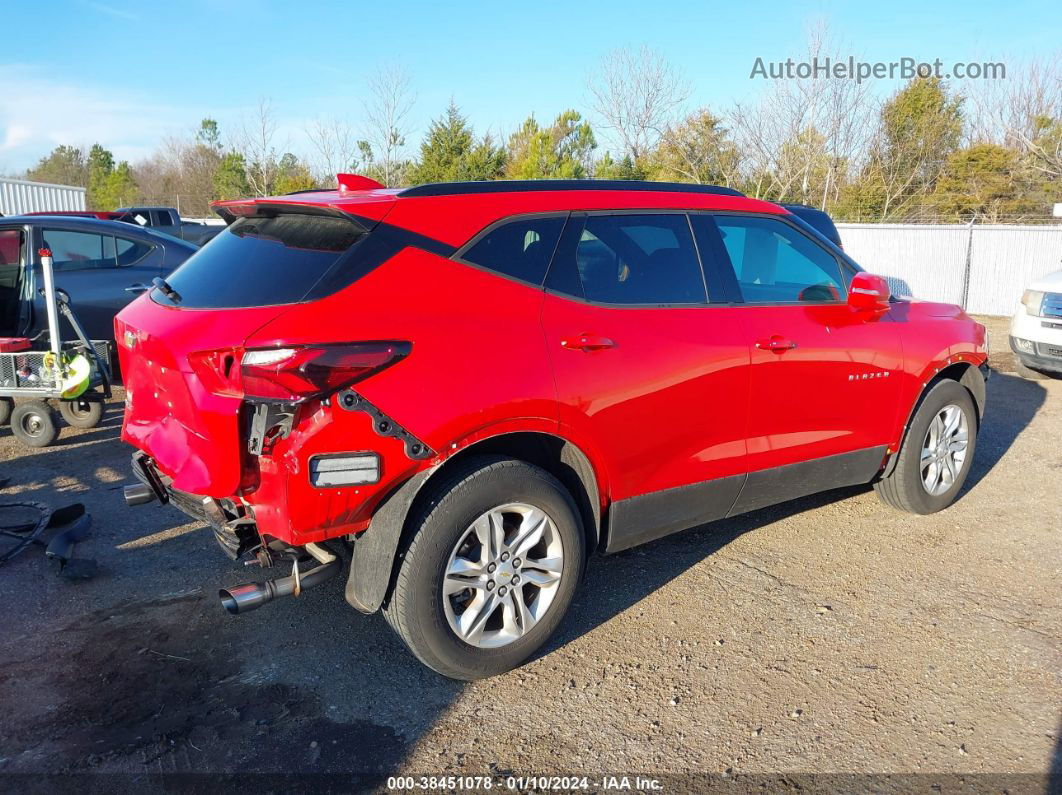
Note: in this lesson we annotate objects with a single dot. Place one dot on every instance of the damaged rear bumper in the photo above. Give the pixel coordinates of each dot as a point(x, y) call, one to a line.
point(233, 525)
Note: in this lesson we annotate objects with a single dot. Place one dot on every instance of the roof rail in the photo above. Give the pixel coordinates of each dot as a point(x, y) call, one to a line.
point(518, 185)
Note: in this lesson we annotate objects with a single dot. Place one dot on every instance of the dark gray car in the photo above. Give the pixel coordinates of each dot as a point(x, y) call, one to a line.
point(102, 266)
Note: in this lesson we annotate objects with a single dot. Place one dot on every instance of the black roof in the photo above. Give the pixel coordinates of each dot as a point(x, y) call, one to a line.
point(520, 185)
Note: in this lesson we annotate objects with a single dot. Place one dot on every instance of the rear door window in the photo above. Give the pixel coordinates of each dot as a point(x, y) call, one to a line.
point(774, 263)
point(77, 251)
point(264, 261)
point(521, 248)
point(632, 259)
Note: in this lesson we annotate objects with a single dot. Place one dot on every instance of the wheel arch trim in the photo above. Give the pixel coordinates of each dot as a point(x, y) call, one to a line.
point(378, 550)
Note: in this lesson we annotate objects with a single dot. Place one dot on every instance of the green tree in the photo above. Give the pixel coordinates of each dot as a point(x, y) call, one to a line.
point(292, 175)
point(607, 168)
point(100, 168)
point(209, 135)
point(450, 152)
point(987, 182)
point(919, 128)
point(117, 189)
point(64, 165)
point(561, 151)
point(698, 150)
point(230, 178)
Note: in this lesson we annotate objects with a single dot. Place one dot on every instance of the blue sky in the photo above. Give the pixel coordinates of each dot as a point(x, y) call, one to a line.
point(129, 74)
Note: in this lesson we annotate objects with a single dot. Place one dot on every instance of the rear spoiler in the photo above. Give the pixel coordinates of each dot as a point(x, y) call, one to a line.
point(229, 211)
point(347, 184)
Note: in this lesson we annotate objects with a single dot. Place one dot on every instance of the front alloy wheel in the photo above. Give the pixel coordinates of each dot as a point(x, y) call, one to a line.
point(944, 449)
point(503, 575)
point(936, 454)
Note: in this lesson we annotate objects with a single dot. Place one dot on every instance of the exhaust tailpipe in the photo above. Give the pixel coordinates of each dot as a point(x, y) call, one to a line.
point(138, 494)
point(244, 598)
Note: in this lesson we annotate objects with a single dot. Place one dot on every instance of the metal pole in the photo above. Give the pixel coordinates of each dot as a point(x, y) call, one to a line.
point(49, 299)
point(968, 265)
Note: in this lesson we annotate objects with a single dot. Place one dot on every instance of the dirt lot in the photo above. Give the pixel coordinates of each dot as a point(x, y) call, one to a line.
point(830, 634)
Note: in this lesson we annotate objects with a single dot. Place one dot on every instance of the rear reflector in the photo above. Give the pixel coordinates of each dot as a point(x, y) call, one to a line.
point(344, 469)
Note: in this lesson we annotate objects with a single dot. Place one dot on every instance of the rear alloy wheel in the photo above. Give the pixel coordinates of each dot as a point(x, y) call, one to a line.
point(503, 575)
point(936, 454)
point(492, 566)
point(34, 423)
point(82, 412)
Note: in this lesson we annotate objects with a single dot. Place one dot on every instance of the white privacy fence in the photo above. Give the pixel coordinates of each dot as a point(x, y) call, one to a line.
point(984, 268)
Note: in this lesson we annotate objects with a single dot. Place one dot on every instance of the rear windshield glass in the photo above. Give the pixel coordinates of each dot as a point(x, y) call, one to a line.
point(263, 261)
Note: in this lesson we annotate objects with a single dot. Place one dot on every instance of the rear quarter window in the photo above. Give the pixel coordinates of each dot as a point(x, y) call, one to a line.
point(263, 261)
point(520, 248)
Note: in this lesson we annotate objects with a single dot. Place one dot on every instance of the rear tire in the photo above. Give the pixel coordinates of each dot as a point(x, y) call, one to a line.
point(34, 423)
point(502, 501)
point(907, 486)
point(6, 405)
point(82, 412)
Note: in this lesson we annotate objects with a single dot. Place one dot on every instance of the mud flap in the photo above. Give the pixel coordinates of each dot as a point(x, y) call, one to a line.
point(373, 558)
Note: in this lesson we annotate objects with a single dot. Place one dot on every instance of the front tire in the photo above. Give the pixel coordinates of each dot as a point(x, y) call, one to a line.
point(936, 454)
point(495, 557)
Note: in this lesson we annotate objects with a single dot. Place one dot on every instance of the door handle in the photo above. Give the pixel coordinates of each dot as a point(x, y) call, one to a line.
point(587, 342)
point(776, 344)
point(137, 288)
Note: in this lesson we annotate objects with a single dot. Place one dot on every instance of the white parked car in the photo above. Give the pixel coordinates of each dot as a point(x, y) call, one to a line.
point(1036, 331)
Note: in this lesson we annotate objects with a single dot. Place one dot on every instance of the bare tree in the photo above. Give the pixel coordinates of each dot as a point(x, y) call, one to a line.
point(1023, 112)
point(254, 140)
point(335, 145)
point(637, 94)
point(387, 120)
point(805, 135)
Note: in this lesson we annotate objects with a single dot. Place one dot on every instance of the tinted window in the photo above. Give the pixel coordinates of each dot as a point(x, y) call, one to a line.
point(775, 263)
point(164, 218)
point(130, 251)
point(75, 251)
point(10, 278)
point(521, 248)
point(639, 259)
point(263, 261)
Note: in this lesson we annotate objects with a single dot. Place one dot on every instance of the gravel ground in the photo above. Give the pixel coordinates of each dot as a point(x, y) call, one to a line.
point(830, 634)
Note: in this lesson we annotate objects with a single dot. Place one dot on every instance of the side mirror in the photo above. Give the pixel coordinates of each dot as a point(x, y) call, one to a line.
point(869, 293)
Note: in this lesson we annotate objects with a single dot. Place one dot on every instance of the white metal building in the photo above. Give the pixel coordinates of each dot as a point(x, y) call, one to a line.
point(19, 196)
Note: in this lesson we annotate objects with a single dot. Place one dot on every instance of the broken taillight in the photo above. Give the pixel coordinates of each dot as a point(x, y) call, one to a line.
point(295, 373)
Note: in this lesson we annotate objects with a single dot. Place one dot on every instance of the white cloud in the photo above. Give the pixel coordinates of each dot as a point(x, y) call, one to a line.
point(39, 112)
point(120, 13)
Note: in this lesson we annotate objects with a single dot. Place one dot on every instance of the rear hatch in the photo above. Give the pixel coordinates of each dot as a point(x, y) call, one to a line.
point(178, 343)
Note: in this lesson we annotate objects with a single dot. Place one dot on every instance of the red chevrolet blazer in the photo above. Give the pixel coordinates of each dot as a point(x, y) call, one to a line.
point(458, 392)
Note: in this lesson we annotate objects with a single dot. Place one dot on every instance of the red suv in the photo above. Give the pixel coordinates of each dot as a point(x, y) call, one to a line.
point(474, 386)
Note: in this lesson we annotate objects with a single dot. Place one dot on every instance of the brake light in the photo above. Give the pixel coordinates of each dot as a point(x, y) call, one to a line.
point(296, 373)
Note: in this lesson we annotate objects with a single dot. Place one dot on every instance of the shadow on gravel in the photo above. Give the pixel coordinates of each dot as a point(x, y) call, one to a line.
point(1012, 403)
point(617, 582)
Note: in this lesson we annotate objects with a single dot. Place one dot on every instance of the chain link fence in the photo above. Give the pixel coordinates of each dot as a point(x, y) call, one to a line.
point(982, 267)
